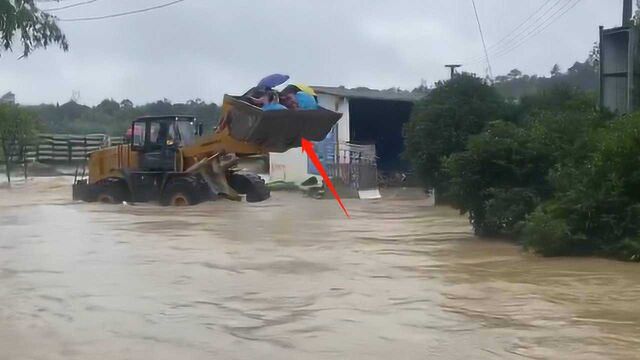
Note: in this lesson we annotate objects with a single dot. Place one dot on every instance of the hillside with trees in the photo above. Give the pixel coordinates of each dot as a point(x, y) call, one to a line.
point(581, 75)
point(114, 117)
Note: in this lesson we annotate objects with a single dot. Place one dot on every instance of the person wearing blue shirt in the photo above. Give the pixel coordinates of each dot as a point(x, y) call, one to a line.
point(306, 101)
point(273, 106)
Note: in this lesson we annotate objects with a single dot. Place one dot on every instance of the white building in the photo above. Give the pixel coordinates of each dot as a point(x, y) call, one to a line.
point(369, 117)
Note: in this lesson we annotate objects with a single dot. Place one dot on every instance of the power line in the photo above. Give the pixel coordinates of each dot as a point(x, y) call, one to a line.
point(122, 13)
point(513, 35)
point(484, 44)
point(537, 17)
point(535, 25)
point(512, 32)
point(70, 6)
point(541, 28)
point(52, 2)
point(570, 4)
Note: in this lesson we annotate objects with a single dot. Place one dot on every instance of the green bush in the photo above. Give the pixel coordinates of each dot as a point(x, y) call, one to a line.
point(503, 175)
point(597, 198)
point(499, 179)
point(548, 232)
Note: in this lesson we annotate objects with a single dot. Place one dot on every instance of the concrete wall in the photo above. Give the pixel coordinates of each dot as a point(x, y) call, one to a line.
point(292, 165)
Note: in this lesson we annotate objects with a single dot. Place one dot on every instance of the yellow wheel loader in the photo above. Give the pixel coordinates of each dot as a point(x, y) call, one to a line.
point(168, 159)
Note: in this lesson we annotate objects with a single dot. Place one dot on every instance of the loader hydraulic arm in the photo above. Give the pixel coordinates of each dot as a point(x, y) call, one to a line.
point(220, 142)
point(247, 130)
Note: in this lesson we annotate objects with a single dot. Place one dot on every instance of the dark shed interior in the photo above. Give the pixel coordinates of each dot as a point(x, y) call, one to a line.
point(380, 122)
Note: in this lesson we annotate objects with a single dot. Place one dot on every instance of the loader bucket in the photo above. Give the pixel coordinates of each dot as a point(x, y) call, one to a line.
point(275, 131)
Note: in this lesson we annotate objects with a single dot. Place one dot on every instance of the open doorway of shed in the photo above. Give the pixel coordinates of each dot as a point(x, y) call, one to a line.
point(380, 122)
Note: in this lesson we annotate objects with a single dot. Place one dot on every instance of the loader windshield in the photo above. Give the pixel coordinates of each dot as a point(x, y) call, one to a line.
point(161, 133)
point(187, 130)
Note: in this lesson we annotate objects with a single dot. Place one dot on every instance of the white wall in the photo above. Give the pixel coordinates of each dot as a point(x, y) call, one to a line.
point(288, 166)
point(292, 164)
point(340, 105)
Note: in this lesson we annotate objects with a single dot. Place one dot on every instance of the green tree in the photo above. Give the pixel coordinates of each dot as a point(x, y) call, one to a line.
point(594, 56)
point(126, 104)
point(17, 132)
point(442, 122)
point(36, 29)
point(108, 106)
point(514, 74)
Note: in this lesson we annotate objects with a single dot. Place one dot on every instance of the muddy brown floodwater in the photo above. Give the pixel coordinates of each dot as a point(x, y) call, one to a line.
point(291, 278)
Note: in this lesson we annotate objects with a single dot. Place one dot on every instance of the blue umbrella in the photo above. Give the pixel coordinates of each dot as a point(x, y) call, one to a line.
point(273, 80)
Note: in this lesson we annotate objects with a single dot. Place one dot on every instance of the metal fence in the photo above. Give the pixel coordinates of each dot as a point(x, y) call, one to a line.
point(62, 148)
point(356, 166)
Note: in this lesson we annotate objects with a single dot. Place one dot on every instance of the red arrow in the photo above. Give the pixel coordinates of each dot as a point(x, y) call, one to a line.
point(307, 147)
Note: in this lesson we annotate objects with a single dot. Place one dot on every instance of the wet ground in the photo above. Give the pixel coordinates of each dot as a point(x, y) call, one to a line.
point(291, 278)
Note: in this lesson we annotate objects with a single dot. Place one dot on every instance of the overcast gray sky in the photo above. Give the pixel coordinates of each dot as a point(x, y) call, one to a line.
point(204, 48)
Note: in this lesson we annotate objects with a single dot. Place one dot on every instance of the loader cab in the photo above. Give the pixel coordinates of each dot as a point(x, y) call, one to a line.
point(158, 138)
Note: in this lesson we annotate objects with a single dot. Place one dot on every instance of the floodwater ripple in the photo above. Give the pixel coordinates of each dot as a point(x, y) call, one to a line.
point(292, 278)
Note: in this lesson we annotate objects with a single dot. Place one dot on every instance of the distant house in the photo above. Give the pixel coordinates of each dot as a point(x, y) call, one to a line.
point(370, 117)
point(8, 98)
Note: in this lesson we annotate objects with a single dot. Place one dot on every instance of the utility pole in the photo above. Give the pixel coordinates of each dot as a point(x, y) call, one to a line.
point(453, 68)
point(627, 9)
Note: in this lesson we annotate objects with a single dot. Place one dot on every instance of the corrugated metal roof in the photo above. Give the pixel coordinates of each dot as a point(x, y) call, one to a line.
point(366, 93)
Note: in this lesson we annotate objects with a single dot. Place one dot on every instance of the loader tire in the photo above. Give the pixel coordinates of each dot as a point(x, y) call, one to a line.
point(111, 191)
point(181, 192)
point(251, 185)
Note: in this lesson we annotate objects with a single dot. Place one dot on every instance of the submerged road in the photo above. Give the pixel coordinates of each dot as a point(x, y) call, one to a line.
point(292, 278)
